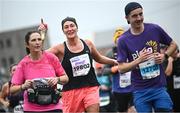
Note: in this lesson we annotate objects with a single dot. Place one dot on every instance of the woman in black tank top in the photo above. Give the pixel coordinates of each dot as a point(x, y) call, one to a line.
point(6, 99)
point(81, 93)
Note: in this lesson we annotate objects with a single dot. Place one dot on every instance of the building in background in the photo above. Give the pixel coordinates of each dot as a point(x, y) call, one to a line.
point(103, 40)
point(12, 48)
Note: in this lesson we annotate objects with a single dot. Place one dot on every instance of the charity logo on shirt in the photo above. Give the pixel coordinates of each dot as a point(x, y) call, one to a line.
point(125, 79)
point(80, 65)
point(148, 69)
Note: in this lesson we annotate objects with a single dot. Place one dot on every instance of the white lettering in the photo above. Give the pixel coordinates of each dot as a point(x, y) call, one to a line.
point(136, 54)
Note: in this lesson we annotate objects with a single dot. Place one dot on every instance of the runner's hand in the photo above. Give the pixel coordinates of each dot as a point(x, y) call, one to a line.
point(27, 84)
point(159, 58)
point(42, 26)
point(6, 104)
point(53, 81)
point(144, 55)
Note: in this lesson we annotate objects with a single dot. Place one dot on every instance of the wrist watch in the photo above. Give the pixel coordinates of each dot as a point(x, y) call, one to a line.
point(59, 81)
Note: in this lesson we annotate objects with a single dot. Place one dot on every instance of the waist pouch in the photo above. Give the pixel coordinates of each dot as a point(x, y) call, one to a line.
point(43, 95)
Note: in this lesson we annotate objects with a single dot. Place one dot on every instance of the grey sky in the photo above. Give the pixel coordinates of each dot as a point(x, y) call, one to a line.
point(91, 15)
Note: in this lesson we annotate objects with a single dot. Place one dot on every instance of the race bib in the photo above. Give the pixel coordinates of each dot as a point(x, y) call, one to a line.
point(104, 101)
point(176, 82)
point(149, 69)
point(80, 65)
point(125, 79)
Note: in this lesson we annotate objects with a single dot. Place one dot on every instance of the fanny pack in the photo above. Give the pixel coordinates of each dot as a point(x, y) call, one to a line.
point(43, 95)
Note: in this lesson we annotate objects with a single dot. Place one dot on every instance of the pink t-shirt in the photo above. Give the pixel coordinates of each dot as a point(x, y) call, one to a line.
point(47, 66)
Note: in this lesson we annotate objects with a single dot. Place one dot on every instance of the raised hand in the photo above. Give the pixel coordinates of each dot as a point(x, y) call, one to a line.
point(42, 26)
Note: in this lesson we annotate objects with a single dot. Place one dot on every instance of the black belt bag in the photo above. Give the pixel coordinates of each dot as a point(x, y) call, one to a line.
point(43, 95)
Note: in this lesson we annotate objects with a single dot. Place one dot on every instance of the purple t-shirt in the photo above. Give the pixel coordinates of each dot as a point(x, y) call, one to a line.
point(147, 74)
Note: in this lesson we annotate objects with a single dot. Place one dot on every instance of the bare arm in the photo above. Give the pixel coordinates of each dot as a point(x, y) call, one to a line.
point(4, 94)
point(63, 79)
point(58, 50)
point(98, 57)
point(171, 49)
point(18, 88)
point(125, 67)
point(169, 68)
point(128, 66)
point(15, 88)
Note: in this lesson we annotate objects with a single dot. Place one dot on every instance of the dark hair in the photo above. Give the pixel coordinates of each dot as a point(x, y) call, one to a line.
point(69, 19)
point(27, 37)
point(130, 7)
point(11, 66)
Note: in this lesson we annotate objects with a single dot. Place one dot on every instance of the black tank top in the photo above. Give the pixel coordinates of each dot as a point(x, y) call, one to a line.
point(79, 68)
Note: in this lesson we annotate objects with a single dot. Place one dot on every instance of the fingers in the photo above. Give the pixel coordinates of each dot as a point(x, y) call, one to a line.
point(145, 55)
point(42, 21)
point(42, 26)
point(53, 81)
point(159, 58)
point(27, 84)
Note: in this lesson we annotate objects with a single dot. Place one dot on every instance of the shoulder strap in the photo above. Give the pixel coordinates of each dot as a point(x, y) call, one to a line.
point(9, 85)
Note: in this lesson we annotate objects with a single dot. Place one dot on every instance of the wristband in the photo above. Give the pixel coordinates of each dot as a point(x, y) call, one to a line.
point(59, 80)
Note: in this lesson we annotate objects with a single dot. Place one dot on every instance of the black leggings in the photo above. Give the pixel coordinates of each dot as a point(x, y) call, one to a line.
point(53, 111)
point(123, 100)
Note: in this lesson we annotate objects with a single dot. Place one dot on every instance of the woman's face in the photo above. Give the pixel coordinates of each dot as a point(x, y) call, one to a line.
point(13, 70)
point(35, 43)
point(70, 29)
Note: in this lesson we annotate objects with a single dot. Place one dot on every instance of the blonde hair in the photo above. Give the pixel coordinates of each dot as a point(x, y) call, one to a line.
point(119, 31)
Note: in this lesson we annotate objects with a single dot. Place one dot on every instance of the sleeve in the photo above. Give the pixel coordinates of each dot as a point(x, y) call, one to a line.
point(165, 38)
point(59, 70)
point(121, 50)
point(18, 76)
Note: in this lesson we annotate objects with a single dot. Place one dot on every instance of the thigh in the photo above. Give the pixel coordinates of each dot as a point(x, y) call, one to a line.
point(142, 101)
point(123, 100)
point(73, 101)
point(176, 101)
point(93, 108)
point(163, 102)
point(143, 107)
point(91, 99)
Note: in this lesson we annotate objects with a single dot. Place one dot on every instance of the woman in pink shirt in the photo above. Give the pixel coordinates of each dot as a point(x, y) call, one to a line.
point(38, 74)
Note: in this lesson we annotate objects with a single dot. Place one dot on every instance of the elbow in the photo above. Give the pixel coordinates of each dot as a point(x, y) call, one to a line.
point(168, 73)
point(64, 79)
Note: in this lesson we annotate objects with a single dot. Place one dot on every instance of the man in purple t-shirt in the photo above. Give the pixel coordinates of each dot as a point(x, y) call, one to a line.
point(140, 45)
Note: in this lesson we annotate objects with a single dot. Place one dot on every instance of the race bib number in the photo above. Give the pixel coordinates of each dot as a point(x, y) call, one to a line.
point(176, 82)
point(125, 79)
point(80, 65)
point(104, 100)
point(149, 69)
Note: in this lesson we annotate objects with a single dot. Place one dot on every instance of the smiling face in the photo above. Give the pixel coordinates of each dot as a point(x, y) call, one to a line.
point(136, 18)
point(35, 42)
point(70, 29)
